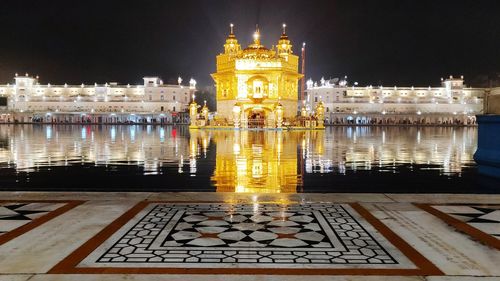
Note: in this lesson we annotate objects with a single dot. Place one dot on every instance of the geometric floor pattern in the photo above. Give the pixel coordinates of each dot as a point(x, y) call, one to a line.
point(209, 233)
point(483, 217)
point(212, 236)
point(481, 222)
point(19, 217)
point(16, 214)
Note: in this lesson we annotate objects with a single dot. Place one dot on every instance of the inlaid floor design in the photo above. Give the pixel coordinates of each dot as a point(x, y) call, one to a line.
point(18, 217)
point(259, 238)
point(480, 221)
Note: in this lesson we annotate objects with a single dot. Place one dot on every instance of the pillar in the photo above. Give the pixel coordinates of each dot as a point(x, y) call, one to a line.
point(279, 116)
point(236, 116)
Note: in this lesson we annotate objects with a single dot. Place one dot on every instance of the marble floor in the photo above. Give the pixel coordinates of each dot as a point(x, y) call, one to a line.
point(215, 236)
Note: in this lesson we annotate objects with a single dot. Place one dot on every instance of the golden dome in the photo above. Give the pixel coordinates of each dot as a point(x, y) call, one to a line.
point(256, 49)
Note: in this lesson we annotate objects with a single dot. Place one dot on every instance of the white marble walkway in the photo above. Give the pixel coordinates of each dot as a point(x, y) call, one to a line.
point(414, 230)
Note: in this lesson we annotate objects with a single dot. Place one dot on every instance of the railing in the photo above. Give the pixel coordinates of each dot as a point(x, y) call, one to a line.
point(256, 123)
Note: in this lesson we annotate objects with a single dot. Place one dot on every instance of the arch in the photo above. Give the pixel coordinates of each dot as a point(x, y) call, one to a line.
point(257, 88)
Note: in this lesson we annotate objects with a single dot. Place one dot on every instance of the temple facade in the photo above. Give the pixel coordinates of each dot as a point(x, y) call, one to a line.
point(256, 87)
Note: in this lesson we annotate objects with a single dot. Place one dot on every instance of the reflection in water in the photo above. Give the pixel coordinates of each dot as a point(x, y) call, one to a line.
point(34, 146)
point(256, 161)
point(446, 149)
point(242, 161)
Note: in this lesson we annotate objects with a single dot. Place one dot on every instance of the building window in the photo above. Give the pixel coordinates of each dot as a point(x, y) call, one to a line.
point(315, 99)
point(161, 98)
point(174, 108)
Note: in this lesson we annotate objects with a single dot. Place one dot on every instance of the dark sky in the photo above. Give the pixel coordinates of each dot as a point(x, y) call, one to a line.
point(390, 42)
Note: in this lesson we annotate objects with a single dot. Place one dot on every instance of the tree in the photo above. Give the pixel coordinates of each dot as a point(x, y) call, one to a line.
point(207, 94)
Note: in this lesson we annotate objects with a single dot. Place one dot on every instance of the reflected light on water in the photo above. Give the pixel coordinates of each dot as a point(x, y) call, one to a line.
point(240, 161)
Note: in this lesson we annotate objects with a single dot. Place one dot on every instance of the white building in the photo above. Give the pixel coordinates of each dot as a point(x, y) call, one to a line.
point(451, 103)
point(26, 100)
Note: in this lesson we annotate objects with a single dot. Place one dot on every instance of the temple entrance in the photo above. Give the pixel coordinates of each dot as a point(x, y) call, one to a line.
point(256, 118)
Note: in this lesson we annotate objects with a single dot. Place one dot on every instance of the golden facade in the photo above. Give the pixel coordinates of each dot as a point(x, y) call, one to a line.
point(256, 86)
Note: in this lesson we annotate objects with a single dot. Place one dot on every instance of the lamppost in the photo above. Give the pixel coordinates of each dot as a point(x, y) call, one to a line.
point(193, 112)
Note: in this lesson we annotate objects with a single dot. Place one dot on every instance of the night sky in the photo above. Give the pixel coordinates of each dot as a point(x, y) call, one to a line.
point(373, 42)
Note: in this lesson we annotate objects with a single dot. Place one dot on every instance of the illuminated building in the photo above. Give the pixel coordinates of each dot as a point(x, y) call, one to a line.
point(451, 103)
point(255, 86)
point(26, 100)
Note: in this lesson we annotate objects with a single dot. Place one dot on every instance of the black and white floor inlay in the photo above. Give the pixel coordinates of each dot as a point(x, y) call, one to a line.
point(14, 215)
point(483, 217)
point(222, 235)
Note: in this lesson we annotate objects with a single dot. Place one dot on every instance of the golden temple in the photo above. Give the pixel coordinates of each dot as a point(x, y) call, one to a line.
point(256, 87)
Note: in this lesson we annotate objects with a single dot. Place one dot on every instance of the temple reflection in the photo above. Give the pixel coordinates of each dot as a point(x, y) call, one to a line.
point(260, 161)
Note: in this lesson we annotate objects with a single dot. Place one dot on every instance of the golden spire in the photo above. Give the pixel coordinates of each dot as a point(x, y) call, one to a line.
point(283, 35)
point(231, 31)
point(231, 46)
point(256, 35)
point(284, 46)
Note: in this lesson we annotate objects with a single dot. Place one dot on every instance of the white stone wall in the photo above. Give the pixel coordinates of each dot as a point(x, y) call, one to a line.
point(452, 98)
point(402, 108)
point(27, 95)
point(493, 103)
point(98, 107)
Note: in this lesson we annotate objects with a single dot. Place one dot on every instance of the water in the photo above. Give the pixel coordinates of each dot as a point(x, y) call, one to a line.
point(167, 158)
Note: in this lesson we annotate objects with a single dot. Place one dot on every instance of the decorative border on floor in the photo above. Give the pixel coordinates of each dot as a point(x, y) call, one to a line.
point(12, 234)
point(69, 265)
point(461, 226)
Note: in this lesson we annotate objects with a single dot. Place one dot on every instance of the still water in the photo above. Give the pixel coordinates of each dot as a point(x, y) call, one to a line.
point(167, 158)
